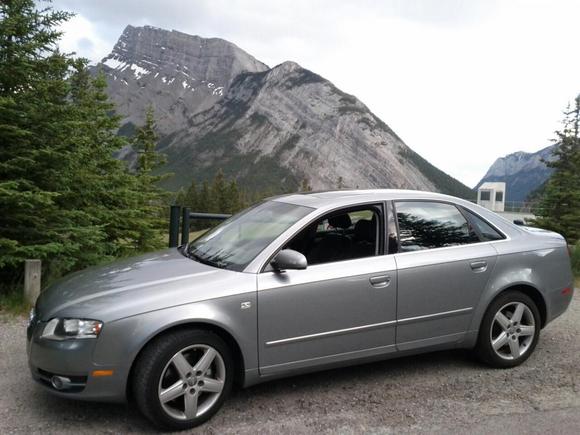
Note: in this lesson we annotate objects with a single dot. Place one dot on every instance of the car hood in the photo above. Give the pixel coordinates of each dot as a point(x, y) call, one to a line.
point(127, 287)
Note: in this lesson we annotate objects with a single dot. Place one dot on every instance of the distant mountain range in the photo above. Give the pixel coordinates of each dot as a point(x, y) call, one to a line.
point(270, 128)
point(522, 172)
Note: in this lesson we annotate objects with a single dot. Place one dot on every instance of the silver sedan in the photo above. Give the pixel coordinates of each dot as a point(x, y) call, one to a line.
point(298, 283)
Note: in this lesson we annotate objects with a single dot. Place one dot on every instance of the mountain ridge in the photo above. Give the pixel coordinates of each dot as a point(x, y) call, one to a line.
point(266, 127)
point(522, 172)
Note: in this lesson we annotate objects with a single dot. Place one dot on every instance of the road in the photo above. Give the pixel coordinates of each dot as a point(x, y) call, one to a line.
point(444, 392)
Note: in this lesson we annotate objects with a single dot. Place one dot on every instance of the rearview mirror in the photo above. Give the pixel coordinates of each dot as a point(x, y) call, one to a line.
point(289, 259)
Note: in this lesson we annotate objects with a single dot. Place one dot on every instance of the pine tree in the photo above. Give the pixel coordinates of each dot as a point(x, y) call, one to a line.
point(559, 208)
point(219, 192)
point(36, 121)
point(206, 200)
point(305, 186)
point(234, 198)
point(189, 198)
point(151, 199)
point(64, 197)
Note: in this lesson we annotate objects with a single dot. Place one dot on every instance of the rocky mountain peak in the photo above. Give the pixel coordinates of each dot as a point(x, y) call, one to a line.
point(179, 74)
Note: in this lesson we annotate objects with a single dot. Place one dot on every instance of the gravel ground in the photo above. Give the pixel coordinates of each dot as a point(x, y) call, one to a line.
point(437, 393)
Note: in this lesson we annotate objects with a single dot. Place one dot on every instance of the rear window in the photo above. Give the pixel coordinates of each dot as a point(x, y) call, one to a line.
point(429, 225)
point(488, 233)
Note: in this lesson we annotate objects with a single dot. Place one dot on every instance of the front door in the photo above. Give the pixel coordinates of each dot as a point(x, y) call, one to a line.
point(342, 306)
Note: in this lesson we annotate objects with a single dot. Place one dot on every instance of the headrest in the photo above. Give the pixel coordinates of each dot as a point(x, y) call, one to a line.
point(365, 230)
point(341, 221)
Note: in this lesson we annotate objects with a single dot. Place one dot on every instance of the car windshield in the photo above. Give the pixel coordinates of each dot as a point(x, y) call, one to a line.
point(237, 241)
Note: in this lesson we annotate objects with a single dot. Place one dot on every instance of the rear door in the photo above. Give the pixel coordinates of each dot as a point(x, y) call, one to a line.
point(443, 268)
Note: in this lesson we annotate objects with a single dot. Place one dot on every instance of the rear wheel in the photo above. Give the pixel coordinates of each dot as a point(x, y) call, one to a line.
point(510, 330)
point(182, 379)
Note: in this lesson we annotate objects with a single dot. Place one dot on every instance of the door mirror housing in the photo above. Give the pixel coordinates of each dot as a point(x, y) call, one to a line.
point(288, 259)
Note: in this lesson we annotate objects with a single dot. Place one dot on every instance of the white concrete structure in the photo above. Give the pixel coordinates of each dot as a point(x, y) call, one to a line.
point(492, 196)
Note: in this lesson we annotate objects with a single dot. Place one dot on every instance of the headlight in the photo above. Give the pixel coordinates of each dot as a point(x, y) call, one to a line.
point(31, 316)
point(63, 329)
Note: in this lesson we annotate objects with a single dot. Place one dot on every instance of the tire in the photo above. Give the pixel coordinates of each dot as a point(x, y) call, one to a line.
point(199, 368)
point(507, 340)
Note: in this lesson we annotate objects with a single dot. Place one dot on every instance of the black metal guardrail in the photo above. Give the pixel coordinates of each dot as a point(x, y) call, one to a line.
point(184, 215)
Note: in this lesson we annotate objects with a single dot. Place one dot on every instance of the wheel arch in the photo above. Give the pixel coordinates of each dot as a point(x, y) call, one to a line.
point(220, 331)
point(531, 291)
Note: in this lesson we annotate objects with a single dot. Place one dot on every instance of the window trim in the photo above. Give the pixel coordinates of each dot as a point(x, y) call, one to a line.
point(466, 212)
point(379, 205)
point(462, 210)
point(393, 211)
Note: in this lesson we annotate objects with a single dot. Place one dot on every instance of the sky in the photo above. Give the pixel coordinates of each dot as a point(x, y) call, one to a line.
point(462, 82)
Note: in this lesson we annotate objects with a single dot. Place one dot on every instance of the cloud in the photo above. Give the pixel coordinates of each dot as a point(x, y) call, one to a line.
point(461, 81)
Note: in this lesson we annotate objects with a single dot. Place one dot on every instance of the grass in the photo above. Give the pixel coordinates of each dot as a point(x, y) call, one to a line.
point(12, 302)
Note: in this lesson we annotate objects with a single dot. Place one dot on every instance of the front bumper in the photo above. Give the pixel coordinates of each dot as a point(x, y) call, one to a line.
point(73, 359)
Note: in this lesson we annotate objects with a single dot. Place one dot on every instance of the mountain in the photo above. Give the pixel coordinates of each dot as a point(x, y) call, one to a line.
point(522, 172)
point(270, 128)
point(178, 74)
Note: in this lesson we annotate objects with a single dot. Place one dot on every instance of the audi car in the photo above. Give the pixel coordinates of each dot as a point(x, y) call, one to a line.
point(295, 284)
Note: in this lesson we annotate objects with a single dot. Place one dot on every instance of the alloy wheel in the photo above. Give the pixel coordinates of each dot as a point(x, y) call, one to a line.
point(512, 330)
point(192, 382)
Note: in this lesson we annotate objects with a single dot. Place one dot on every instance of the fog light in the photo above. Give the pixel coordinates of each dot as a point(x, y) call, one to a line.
point(60, 382)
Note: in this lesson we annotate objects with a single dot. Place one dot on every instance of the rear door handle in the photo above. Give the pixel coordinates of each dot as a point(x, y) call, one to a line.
point(478, 266)
point(380, 281)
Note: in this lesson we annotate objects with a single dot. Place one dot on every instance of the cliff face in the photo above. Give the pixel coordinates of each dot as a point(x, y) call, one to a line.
point(218, 107)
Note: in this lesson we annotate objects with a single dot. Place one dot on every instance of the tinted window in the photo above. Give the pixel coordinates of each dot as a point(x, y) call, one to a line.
point(339, 236)
point(499, 196)
point(428, 225)
point(486, 230)
point(484, 195)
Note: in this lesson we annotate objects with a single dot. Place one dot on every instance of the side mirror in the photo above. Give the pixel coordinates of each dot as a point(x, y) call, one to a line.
point(519, 222)
point(288, 259)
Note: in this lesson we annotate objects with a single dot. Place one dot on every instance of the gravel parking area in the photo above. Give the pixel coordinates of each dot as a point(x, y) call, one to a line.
point(435, 393)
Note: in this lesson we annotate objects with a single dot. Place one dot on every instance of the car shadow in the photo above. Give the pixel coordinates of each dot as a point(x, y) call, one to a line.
point(394, 368)
point(117, 418)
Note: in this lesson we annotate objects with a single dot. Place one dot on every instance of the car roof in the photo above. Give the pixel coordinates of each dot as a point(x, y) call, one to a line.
point(337, 198)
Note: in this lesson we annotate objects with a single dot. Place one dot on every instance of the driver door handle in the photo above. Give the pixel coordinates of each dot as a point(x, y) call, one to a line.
point(478, 266)
point(380, 281)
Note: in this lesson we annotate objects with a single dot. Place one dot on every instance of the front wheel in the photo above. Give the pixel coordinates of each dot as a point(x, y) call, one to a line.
point(509, 331)
point(182, 378)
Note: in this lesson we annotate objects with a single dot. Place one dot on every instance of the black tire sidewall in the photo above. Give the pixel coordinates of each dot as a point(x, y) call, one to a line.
point(150, 367)
point(484, 348)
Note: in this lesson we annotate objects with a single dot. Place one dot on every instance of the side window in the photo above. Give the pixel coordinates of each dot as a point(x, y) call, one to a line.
point(344, 235)
point(487, 232)
point(428, 225)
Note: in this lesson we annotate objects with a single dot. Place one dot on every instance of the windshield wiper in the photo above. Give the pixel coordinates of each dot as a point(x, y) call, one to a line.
point(203, 260)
